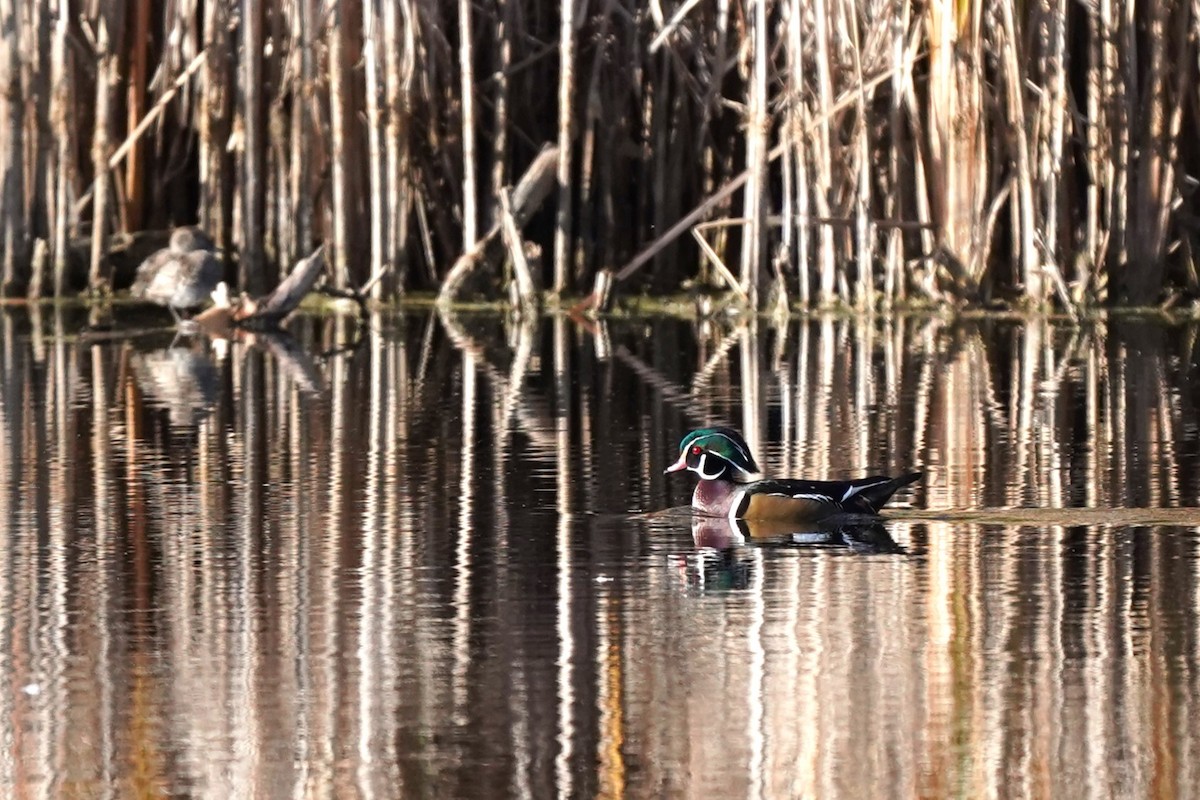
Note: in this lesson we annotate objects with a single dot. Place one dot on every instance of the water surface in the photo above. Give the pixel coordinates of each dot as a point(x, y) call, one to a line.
point(421, 558)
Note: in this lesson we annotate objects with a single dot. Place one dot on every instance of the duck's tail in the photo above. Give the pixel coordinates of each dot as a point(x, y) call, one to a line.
point(876, 495)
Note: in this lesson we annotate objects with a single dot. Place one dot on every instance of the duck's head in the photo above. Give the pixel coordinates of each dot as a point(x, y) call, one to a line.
point(715, 454)
point(189, 239)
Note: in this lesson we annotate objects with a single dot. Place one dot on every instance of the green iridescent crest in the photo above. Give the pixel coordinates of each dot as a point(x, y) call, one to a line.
point(724, 443)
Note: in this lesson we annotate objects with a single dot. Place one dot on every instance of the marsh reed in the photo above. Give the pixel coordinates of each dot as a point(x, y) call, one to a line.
point(820, 151)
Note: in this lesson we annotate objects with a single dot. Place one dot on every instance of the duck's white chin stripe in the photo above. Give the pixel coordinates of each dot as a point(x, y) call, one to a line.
point(699, 469)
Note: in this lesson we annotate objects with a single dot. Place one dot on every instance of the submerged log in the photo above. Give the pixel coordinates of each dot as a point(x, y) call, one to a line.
point(531, 191)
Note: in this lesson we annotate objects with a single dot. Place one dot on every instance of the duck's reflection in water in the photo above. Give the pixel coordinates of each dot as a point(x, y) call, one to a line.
point(183, 379)
point(724, 558)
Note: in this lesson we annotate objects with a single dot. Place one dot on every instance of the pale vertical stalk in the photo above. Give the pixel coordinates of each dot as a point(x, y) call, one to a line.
point(1056, 99)
point(60, 122)
point(1119, 63)
point(106, 78)
point(1098, 166)
point(585, 247)
point(826, 294)
point(136, 81)
point(398, 51)
point(467, 72)
point(958, 160)
point(280, 224)
point(375, 170)
point(40, 154)
point(755, 226)
point(566, 94)
point(753, 399)
point(787, 213)
point(1014, 82)
point(216, 214)
point(864, 230)
point(797, 116)
point(250, 256)
point(339, 123)
point(1158, 123)
point(893, 283)
point(304, 18)
point(504, 47)
point(12, 162)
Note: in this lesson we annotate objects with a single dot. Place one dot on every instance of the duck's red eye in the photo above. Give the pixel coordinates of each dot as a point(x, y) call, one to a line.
point(695, 449)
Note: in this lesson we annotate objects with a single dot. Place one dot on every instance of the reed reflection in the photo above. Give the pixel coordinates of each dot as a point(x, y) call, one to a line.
point(409, 567)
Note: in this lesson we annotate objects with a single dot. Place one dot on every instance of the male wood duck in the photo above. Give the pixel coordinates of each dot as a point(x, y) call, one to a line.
point(731, 485)
point(182, 275)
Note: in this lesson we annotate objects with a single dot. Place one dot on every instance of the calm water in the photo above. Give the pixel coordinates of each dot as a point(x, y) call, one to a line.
point(416, 560)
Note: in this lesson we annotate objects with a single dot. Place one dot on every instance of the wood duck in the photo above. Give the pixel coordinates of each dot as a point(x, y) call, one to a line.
point(180, 276)
point(731, 485)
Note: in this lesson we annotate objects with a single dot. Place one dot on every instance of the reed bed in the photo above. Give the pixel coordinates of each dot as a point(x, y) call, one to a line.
point(818, 152)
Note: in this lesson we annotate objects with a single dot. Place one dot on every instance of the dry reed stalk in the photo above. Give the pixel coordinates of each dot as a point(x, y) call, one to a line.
point(585, 248)
point(956, 130)
point(61, 122)
point(526, 288)
point(864, 233)
point(754, 231)
point(796, 141)
point(252, 111)
point(215, 124)
point(13, 232)
point(39, 154)
point(1157, 117)
point(1098, 154)
point(377, 188)
point(279, 235)
point(822, 157)
point(470, 188)
point(136, 82)
point(1055, 103)
point(893, 200)
point(1125, 108)
point(107, 78)
point(566, 99)
point(304, 31)
point(1031, 273)
point(398, 47)
point(339, 124)
point(500, 99)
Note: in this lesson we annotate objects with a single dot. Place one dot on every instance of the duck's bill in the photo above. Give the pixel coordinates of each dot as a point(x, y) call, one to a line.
point(678, 465)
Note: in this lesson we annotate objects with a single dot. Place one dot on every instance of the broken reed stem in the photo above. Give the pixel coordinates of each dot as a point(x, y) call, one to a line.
point(526, 288)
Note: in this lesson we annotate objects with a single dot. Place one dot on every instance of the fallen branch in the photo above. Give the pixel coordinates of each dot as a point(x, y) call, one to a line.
point(267, 312)
point(531, 191)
